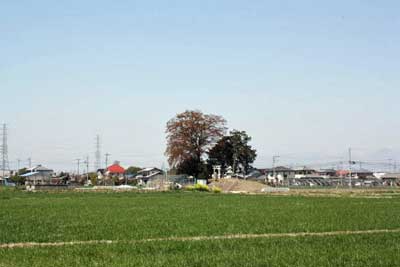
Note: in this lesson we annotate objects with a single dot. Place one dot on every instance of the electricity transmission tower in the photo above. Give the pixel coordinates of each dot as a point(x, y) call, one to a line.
point(98, 154)
point(4, 151)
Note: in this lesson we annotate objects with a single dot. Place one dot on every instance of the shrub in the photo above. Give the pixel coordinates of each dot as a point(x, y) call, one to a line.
point(198, 187)
point(190, 188)
point(217, 190)
point(201, 187)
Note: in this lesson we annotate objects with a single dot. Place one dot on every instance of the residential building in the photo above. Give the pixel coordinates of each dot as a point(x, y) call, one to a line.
point(304, 172)
point(391, 179)
point(115, 170)
point(149, 176)
point(356, 173)
point(327, 173)
point(38, 175)
point(279, 175)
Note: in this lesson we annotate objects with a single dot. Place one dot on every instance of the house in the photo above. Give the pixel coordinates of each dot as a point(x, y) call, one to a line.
point(391, 179)
point(5, 174)
point(150, 176)
point(356, 173)
point(115, 170)
point(362, 174)
point(38, 175)
point(256, 175)
point(304, 172)
point(279, 174)
point(327, 173)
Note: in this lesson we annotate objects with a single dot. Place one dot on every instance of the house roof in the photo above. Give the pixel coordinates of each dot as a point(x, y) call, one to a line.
point(326, 170)
point(116, 168)
point(149, 169)
point(305, 168)
point(361, 171)
point(391, 175)
point(279, 169)
point(40, 168)
point(354, 171)
point(150, 176)
point(29, 174)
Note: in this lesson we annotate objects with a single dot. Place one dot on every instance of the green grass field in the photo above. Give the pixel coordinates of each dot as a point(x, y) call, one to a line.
point(126, 217)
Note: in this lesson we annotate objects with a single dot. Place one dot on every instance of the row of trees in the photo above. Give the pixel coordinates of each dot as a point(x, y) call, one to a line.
point(197, 141)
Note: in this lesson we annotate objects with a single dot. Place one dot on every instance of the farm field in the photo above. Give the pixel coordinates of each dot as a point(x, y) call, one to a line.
point(178, 225)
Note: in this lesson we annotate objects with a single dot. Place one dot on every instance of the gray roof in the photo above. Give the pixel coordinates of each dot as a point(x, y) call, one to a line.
point(304, 169)
point(149, 169)
point(361, 171)
point(391, 176)
point(279, 169)
point(40, 168)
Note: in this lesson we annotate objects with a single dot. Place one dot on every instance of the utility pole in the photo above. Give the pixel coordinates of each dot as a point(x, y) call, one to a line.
point(390, 165)
point(107, 155)
point(98, 153)
point(341, 175)
point(30, 162)
point(350, 168)
point(78, 161)
point(87, 169)
point(274, 161)
point(105, 169)
point(4, 151)
point(18, 165)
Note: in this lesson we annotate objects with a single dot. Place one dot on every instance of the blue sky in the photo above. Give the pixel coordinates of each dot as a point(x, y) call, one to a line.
point(307, 79)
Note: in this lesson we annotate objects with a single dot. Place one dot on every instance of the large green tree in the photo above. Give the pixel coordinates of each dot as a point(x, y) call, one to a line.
point(189, 136)
point(233, 150)
point(17, 178)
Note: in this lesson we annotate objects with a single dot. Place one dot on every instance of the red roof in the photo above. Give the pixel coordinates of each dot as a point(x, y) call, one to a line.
point(342, 172)
point(116, 168)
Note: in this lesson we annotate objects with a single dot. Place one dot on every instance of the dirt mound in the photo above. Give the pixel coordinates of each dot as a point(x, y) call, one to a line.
point(239, 186)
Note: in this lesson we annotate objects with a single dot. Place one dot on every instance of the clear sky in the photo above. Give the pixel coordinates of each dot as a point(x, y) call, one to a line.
point(307, 79)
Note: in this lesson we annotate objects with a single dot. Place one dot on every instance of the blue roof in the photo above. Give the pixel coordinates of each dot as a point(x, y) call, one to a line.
point(29, 174)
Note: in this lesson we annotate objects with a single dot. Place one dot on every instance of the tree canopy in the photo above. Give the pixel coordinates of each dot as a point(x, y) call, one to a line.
point(233, 150)
point(189, 136)
point(132, 170)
